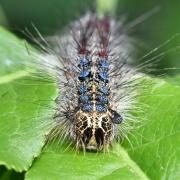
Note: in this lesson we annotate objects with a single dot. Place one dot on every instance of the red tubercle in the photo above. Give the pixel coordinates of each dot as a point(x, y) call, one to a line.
point(83, 51)
point(103, 53)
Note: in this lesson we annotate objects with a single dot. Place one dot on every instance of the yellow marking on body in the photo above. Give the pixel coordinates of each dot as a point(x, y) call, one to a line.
point(94, 97)
point(94, 88)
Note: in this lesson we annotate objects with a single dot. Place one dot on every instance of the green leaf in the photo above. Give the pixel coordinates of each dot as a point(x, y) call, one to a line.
point(59, 163)
point(26, 110)
point(156, 145)
point(153, 148)
point(23, 107)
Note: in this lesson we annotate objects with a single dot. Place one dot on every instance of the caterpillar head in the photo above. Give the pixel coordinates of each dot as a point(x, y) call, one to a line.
point(93, 131)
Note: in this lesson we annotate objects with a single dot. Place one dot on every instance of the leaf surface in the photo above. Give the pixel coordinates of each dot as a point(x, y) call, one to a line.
point(26, 111)
point(153, 151)
point(23, 106)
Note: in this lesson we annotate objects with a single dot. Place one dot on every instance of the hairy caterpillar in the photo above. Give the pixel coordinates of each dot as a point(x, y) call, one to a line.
point(97, 89)
point(91, 93)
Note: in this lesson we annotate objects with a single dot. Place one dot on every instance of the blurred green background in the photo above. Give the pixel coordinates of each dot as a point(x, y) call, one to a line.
point(51, 16)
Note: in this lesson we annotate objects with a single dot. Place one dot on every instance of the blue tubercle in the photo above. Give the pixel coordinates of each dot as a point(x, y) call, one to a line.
point(100, 108)
point(103, 99)
point(84, 98)
point(103, 76)
point(104, 90)
point(84, 61)
point(116, 117)
point(82, 89)
point(84, 74)
point(87, 107)
point(104, 63)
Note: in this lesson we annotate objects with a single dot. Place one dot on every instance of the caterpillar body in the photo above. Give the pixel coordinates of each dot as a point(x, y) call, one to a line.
point(97, 89)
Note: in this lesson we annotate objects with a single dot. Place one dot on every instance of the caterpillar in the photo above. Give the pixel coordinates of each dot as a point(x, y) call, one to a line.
point(97, 88)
